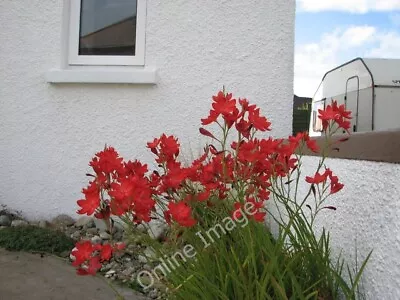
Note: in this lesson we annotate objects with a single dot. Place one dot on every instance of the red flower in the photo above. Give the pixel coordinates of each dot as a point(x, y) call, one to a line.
point(336, 187)
point(224, 104)
point(82, 253)
point(342, 123)
point(259, 216)
point(106, 252)
point(244, 128)
point(237, 212)
point(106, 161)
point(211, 118)
point(327, 114)
point(259, 122)
point(175, 176)
point(318, 178)
point(232, 117)
point(263, 194)
point(203, 196)
point(169, 145)
point(94, 265)
point(256, 212)
point(181, 213)
point(153, 145)
point(91, 201)
point(121, 194)
point(341, 109)
point(135, 168)
point(335, 113)
point(166, 148)
point(296, 139)
point(88, 257)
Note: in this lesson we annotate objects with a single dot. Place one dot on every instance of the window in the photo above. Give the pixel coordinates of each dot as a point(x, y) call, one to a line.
point(103, 41)
point(107, 32)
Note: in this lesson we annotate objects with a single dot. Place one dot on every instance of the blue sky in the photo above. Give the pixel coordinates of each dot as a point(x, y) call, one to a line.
point(331, 32)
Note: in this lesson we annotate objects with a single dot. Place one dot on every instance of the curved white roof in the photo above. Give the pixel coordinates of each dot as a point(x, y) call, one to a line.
point(369, 71)
point(384, 71)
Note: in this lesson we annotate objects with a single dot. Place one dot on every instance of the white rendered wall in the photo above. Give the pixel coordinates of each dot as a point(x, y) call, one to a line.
point(48, 133)
point(367, 216)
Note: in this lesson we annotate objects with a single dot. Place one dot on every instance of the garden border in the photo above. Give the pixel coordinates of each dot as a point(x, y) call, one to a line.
point(379, 146)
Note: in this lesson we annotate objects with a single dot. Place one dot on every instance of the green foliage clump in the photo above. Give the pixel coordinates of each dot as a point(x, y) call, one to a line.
point(35, 239)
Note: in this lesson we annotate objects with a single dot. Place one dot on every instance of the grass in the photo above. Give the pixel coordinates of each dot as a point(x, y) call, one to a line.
point(35, 239)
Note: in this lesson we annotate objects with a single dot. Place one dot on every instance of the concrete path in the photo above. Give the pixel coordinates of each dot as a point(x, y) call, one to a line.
point(25, 276)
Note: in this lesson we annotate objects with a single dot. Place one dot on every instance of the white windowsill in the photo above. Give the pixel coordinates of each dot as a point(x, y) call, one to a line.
point(103, 75)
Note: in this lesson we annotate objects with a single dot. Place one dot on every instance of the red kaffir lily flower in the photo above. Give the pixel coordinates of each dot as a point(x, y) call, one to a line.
point(297, 138)
point(263, 194)
point(82, 253)
point(237, 212)
point(259, 216)
point(166, 148)
point(135, 168)
point(328, 113)
point(203, 196)
point(88, 257)
point(91, 201)
point(244, 127)
point(259, 122)
point(94, 265)
point(175, 176)
point(223, 104)
point(232, 117)
point(123, 190)
point(342, 123)
point(255, 213)
point(106, 161)
point(106, 252)
point(169, 145)
point(335, 113)
point(336, 187)
point(341, 110)
point(244, 104)
point(211, 118)
point(153, 145)
point(317, 179)
point(181, 213)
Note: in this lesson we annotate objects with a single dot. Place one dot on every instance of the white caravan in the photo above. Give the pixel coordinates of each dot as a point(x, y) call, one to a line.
point(370, 89)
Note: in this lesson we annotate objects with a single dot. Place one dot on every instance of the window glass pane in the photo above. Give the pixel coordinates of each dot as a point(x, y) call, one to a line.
point(107, 27)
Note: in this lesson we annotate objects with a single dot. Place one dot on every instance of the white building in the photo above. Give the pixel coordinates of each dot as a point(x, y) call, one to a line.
point(65, 91)
point(58, 107)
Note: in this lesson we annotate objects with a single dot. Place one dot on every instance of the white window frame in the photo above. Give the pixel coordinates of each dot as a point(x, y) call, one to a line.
point(106, 60)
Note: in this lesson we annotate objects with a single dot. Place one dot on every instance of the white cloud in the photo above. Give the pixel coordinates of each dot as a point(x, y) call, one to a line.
point(313, 60)
point(357, 36)
point(388, 46)
point(353, 6)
